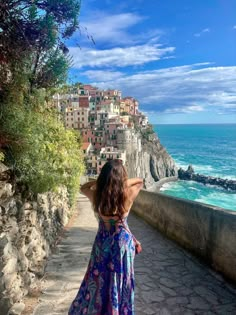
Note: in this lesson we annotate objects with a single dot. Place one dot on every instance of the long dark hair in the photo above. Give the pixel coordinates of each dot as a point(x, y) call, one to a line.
point(110, 196)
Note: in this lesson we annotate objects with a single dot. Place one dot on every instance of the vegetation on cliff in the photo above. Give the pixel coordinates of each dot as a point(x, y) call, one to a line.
point(34, 62)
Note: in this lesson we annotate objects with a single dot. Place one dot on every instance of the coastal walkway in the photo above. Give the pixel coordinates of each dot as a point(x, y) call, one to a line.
point(169, 280)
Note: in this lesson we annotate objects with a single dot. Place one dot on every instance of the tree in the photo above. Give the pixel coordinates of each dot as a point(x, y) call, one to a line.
point(32, 40)
point(34, 63)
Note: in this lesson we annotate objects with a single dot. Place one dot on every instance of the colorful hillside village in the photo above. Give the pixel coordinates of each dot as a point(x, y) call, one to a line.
point(105, 119)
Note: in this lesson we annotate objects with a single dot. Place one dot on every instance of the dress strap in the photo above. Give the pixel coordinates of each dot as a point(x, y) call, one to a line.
point(111, 221)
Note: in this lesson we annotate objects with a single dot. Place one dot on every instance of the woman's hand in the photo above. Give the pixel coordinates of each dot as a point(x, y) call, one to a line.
point(89, 185)
point(88, 189)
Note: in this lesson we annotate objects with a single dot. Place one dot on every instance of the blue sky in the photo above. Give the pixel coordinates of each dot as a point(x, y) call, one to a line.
point(177, 57)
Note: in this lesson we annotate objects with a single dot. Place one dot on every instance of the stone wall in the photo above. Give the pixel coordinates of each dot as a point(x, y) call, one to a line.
point(207, 231)
point(28, 229)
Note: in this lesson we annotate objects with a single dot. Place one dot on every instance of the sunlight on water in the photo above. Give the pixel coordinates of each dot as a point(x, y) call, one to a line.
point(211, 150)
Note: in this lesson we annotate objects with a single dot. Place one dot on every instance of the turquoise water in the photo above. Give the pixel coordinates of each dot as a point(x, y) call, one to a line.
point(211, 149)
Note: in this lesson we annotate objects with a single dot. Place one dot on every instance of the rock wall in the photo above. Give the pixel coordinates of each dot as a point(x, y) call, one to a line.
point(147, 158)
point(28, 229)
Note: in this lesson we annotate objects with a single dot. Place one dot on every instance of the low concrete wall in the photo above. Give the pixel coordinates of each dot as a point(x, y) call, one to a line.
point(157, 185)
point(207, 231)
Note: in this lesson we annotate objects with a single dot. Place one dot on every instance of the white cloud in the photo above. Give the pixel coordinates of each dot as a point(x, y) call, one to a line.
point(111, 28)
point(116, 29)
point(205, 30)
point(183, 89)
point(184, 110)
point(118, 57)
point(100, 75)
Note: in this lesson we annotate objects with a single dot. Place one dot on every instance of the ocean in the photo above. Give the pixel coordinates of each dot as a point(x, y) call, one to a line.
point(211, 150)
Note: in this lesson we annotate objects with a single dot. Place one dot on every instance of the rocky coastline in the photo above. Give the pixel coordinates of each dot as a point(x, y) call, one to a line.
point(189, 174)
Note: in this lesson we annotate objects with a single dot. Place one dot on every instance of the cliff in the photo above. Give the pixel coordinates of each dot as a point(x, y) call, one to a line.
point(28, 230)
point(146, 157)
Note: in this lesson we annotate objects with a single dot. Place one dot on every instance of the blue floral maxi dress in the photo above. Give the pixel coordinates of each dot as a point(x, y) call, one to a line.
point(108, 285)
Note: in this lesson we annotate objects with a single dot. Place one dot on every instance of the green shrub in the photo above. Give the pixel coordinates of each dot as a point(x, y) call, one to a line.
point(45, 154)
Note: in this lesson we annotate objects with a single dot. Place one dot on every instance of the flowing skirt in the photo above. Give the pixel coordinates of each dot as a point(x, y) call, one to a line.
point(108, 285)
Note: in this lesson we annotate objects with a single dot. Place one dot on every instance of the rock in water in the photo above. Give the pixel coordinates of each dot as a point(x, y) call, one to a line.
point(204, 179)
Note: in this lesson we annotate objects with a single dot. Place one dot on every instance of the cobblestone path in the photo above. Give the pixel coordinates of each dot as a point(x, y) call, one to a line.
point(168, 279)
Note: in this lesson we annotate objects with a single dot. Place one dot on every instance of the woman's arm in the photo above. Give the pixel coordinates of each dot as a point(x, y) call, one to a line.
point(88, 189)
point(134, 181)
point(134, 185)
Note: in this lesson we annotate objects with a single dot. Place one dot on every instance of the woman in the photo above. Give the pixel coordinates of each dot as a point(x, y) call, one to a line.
point(108, 285)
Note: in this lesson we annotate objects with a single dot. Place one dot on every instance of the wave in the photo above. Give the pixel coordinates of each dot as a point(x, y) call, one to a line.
point(166, 186)
point(208, 194)
point(194, 188)
point(199, 167)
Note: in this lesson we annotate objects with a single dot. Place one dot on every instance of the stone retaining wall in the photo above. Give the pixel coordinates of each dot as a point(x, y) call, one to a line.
point(28, 229)
point(207, 231)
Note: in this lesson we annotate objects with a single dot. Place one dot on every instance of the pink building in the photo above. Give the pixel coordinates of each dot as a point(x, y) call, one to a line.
point(96, 137)
point(89, 87)
point(87, 135)
point(111, 132)
point(83, 101)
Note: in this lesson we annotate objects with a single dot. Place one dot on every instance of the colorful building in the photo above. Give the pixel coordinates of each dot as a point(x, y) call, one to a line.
point(76, 118)
point(110, 153)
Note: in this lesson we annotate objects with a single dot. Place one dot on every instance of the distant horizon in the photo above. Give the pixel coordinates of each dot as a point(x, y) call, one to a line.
point(194, 124)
